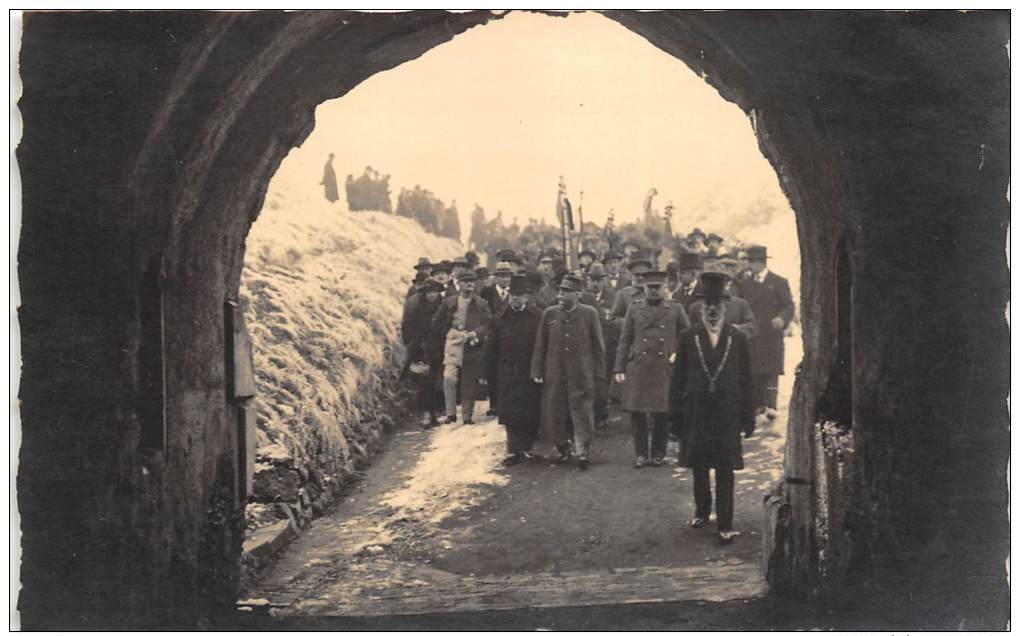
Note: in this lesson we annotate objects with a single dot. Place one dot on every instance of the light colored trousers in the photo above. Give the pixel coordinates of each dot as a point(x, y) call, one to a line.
point(451, 375)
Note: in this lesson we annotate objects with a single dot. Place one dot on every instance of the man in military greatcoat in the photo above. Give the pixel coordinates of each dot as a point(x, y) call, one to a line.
point(635, 290)
point(462, 321)
point(644, 366)
point(711, 405)
point(509, 345)
point(769, 296)
point(569, 362)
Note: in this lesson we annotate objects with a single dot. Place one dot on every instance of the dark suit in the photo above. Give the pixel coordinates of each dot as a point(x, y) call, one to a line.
point(768, 299)
point(506, 357)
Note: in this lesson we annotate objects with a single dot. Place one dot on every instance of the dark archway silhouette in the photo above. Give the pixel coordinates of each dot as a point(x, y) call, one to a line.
point(152, 137)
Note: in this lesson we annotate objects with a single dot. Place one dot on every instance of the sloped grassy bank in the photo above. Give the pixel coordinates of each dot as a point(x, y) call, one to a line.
point(323, 290)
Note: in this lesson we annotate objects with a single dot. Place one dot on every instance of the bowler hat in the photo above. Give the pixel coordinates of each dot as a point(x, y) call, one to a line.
point(482, 272)
point(466, 276)
point(641, 262)
point(597, 271)
point(571, 283)
point(588, 253)
point(654, 278)
point(696, 232)
point(609, 256)
point(423, 263)
point(712, 286)
point(757, 253)
point(521, 284)
point(504, 254)
point(459, 262)
point(442, 266)
point(690, 260)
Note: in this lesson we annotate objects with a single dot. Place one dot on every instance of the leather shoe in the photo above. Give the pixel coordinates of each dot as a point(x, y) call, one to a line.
point(698, 522)
point(639, 462)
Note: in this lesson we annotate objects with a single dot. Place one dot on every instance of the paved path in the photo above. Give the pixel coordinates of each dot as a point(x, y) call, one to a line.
point(438, 526)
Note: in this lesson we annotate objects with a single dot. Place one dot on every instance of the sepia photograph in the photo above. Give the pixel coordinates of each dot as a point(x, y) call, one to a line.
point(510, 320)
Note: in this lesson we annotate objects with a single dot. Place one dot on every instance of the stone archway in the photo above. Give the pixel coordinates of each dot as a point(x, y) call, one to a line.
point(150, 139)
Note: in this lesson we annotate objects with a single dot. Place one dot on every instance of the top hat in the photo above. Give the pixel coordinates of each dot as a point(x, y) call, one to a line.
point(696, 232)
point(757, 253)
point(712, 286)
point(597, 271)
point(571, 283)
point(442, 266)
point(521, 284)
point(503, 267)
point(641, 262)
point(689, 260)
point(713, 237)
point(611, 255)
point(588, 253)
point(654, 278)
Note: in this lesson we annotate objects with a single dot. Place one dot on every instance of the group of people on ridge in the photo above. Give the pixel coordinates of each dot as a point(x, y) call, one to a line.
point(693, 351)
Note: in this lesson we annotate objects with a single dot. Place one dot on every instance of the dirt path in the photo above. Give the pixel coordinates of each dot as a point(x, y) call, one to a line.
point(439, 526)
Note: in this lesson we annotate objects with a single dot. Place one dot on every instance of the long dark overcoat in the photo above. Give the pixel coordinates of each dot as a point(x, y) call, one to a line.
point(568, 355)
point(478, 317)
point(650, 337)
point(768, 299)
point(709, 422)
point(421, 345)
point(506, 362)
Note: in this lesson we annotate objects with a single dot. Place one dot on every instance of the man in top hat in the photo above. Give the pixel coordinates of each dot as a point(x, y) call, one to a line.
point(462, 321)
point(424, 350)
point(696, 241)
point(736, 310)
point(569, 362)
point(585, 258)
point(769, 296)
point(616, 278)
point(635, 290)
point(711, 404)
point(547, 293)
point(644, 365)
point(509, 345)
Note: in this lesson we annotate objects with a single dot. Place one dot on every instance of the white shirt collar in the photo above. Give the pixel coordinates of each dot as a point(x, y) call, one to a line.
point(760, 276)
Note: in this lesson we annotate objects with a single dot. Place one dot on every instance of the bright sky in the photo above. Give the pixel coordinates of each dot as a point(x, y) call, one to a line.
point(496, 115)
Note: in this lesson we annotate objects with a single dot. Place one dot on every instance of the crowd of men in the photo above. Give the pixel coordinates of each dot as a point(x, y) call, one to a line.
point(694, 351)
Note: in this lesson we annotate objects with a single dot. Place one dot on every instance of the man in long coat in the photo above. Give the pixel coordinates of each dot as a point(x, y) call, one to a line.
point(711, 404)
point(506, 356)
point(462, 321)
point(423, 349)
point(772, 304)
point(568, 362)
point(328, 182)
point(644, 366)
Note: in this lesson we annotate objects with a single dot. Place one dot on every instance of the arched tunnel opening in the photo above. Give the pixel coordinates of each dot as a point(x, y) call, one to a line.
point(888, 132)
point(495, 118)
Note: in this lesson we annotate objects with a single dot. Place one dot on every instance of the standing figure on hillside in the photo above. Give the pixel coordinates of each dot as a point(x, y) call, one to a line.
point(644, 367)
point(769, 296)
point(328, 182)
point(509, 345)
point(711, 404)
point(424, 354)
point(569, 362)
point(462, 320)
